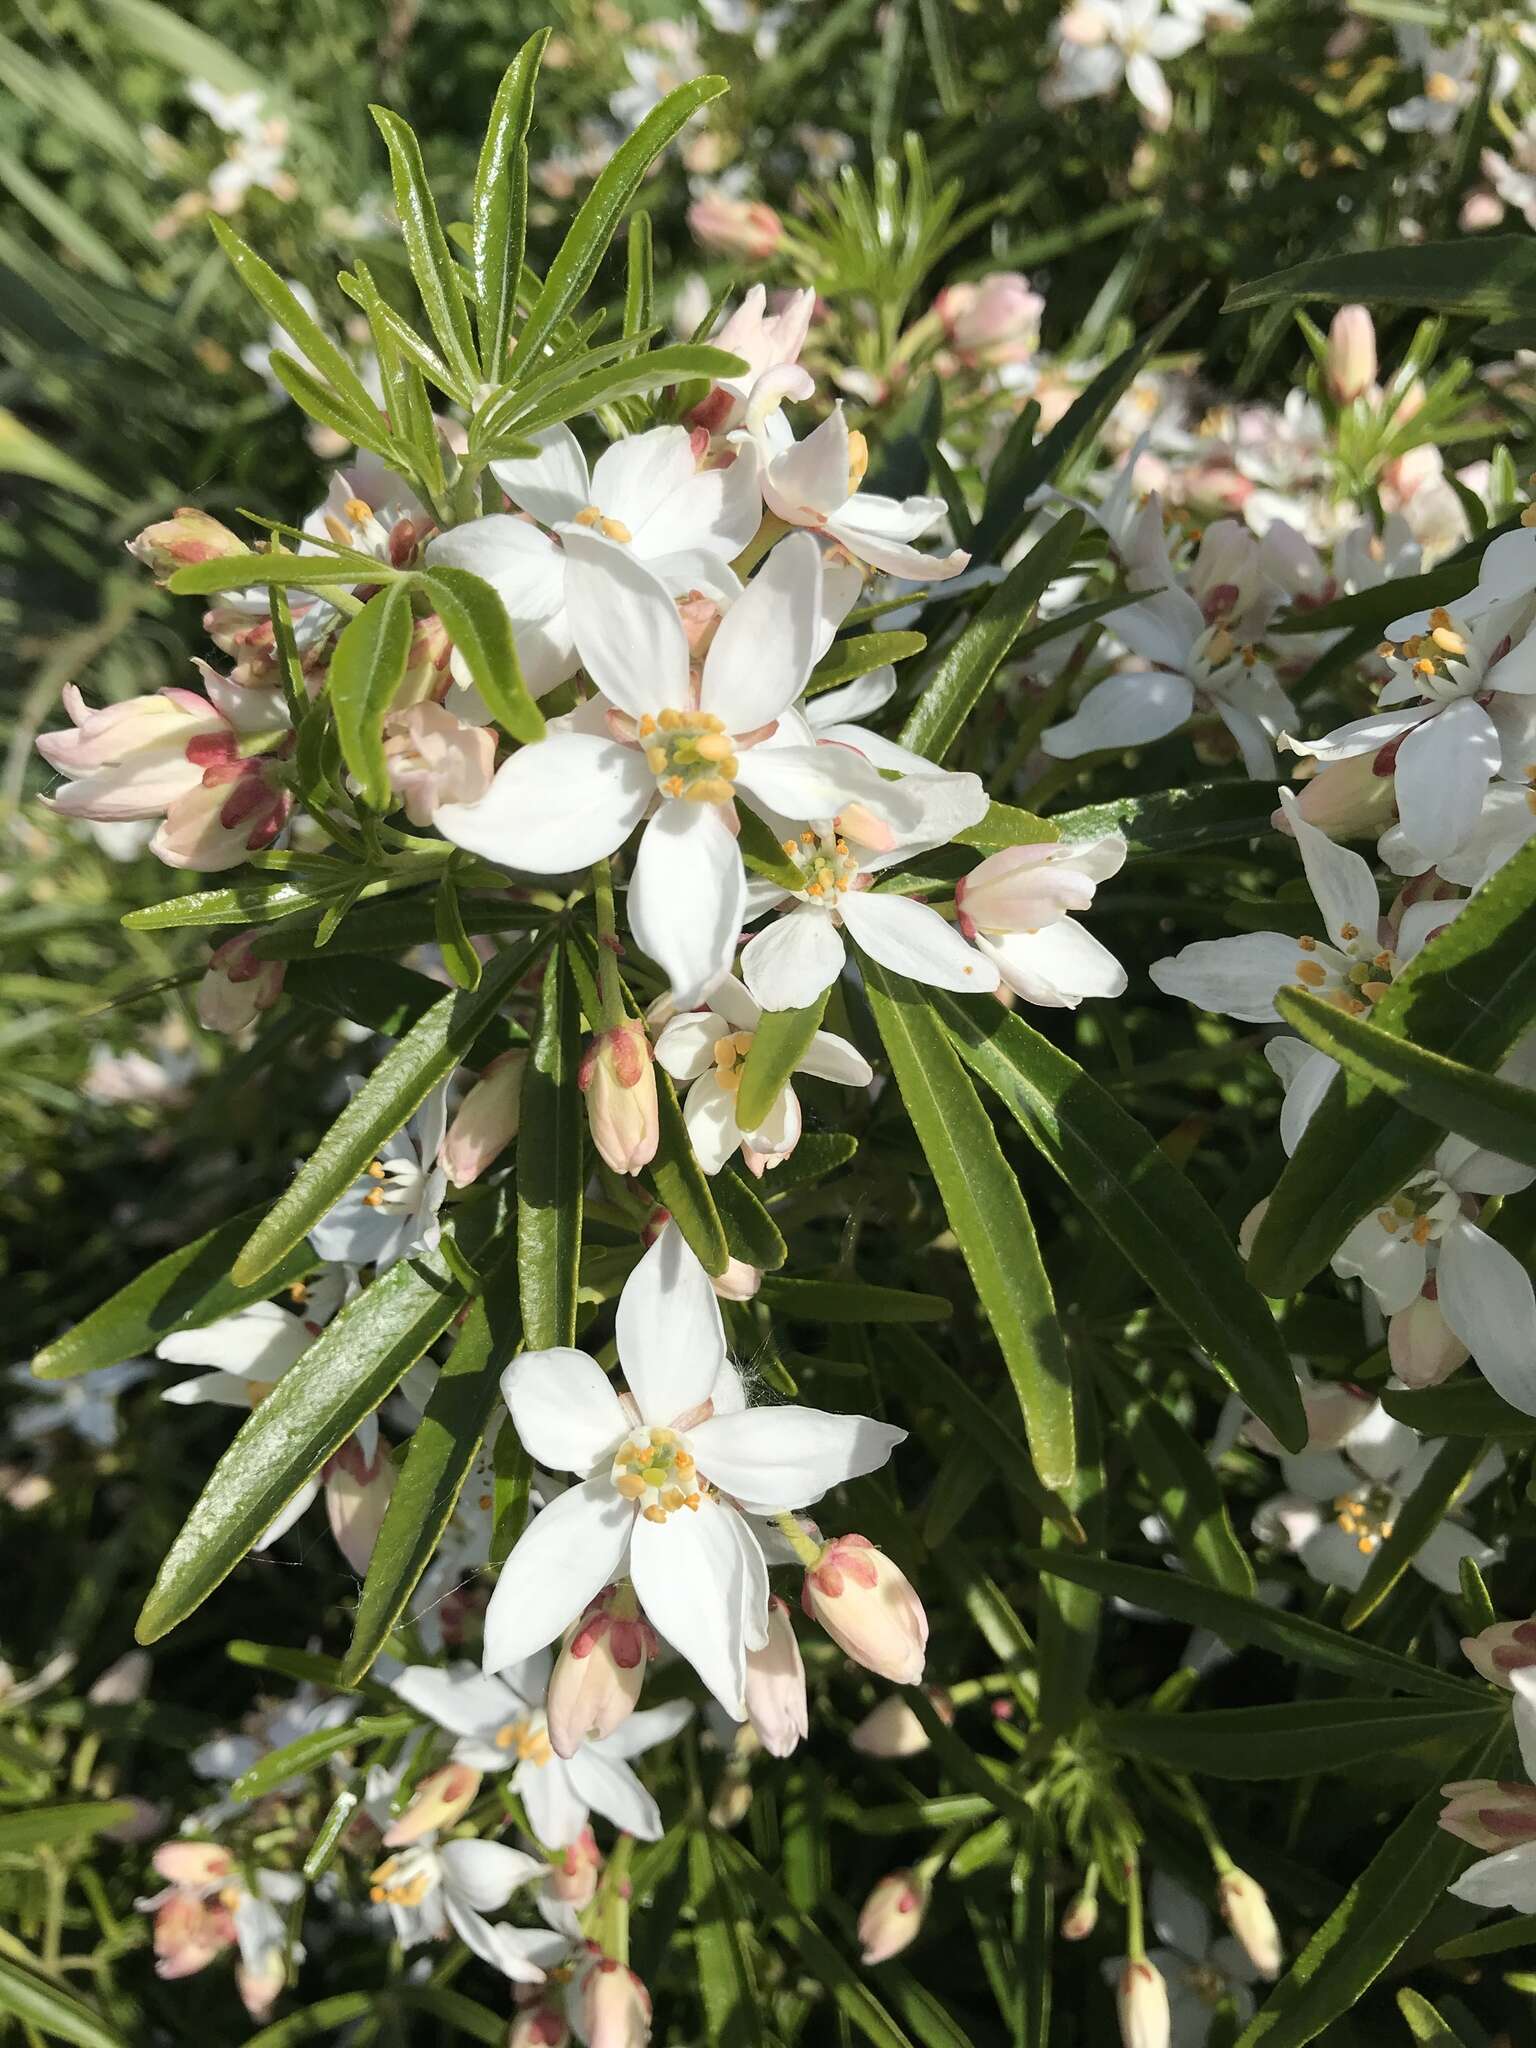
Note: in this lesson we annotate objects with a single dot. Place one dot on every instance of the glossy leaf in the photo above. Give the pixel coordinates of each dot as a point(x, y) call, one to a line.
point(779, 1043)
point(750, 1231)
point(845, 660)
point(679, 1182)
point(476, 622)
point(850, 1301)
point(551, 1166)
point(278, 302)
point(1462, 1407)
point(367, 669)
point(1493, 276)
point(1296, 1740)
point(296, 1759)
point(499, 221)
point(277, 568)
point(1068, 1612)
point(987, 1213)
point(729, 1993)
point(1425, 2024)
point(433, 268)
point(1175, 820)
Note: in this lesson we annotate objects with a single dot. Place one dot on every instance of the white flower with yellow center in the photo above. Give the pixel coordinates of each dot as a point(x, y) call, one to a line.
point(501, 1726)
point(667, 1474)
point(390, 1210)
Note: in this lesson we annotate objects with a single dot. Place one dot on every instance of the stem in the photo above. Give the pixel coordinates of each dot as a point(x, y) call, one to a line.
point(1197, 1810)
point(609, 992)
point(1135, 1938)
point(805, 1547)
point(773, 528)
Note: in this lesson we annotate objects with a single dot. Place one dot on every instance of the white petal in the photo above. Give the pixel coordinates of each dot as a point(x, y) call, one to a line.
point(223, 1389)
point(788, 1457)
point(561, 804)
point(553, 485)
point(570, 1550)
point(852, 701)
point(564, 1409)
point(734, 1002)
point(1508, 1879)
point(1487, 1299)
point(556, 1808)
point(1334, 1558)
point(633, 478)
point(300, 1504)
point(687, 896)
point(1442, 775)
point(1122, 711)
point(912, 939)
point(1359, 736)
point(1342, 885)
point(810, 478)
point(789, 962)
point(1234, 977)
point(765, 646)
point(625, 626)
point(527, 571)
point(261, 1342)
point(1391, 1265)
point(461, 1699)
point(1304, 1093)
point(1057, 966)
point(670, 1338)
point(1178, 1917)
point(644, 1730)
point(1525, 1718)
point(831, 1058)
point(687, 1572)
point(610, 1788)
point(685, 1045)
point(484, 1875)
point(810, 782)
point(1439, 1556)
point(713, 1132)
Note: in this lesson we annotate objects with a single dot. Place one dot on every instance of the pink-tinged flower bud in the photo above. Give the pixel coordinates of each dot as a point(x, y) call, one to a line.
point(193, 1864)
point(1345, 799)
point(192, 536)
point(744, 228)
point(236, 987)
point(868, 1608)
point(357, 1494)
point(733, 1799)
point(1141, 2001)
point(615, 2006)
point(1422, 1345)
point(573, 1880)
point(189, 1933)
point(1498, 1652)
point(893, 1730)
point(1480, 210)
point(1350, 367)
point(435, 759)
point(259, 1983)
point(600, 1670)
point(1490, 1813)
point(486, 1121)
point(1025, 888)
point(538, 2026)
point(1245, 1908)
point(428, 666)
point(892, 1916)
point(619, 1081)
point(996, 320)
point(441, 1798)
point(1081, 1917)
point(776, 1685)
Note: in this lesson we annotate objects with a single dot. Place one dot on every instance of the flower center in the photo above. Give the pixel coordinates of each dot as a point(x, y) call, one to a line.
point(404, 1880)
point(730, 1052)
point(529, 1736)
point(610, 529)
point(1366, 1518)
point(691, 755)
point(397, 1184)
point(655, 1469)
point(1354, 988)
point(358, 527)
point(1442, 87)
point(1428, 658)
point(1208, 1983)
point(1421, 1210)
point(828, 868)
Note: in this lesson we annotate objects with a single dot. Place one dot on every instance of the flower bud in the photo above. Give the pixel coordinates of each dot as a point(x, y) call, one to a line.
point(619, 1081)
point(996, 320)
point(893, 1730)
point(733, 1797)
point(615, 2005)
point(1245, 1908)
point(538, 2026)
point(868, 1608)
point(1345, 799)
point(357, 1494)
point(486, 1121)
point(123, 1682)
point(1141, 2000)
point(172, 544)
point(600, 1670)
point(236, 987)
point(892, 1916)
point(1422, 1346)
point(441, 1798)
point(744, 228)
point(1025, 888)
point(435, 759)
point(1490, 1814)
point(1350, 365)
point(573, 1880)
point(1498, 1652)
point(776, 1685)
point(1081, 1917)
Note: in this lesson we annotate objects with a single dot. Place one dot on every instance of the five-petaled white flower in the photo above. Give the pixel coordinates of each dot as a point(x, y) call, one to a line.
point(706, 1048)
point(390, 1210)
point(1099, 42)
point(501, 1725)
point(667, 1474)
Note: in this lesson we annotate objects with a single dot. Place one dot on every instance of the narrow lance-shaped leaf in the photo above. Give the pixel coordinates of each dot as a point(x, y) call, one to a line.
point(44, 2007)
point(432, 263)
point(779, 1043)
point(367, 669)
point(987, 1213)
point(1069, 1613)
point(278, 302)
point(499, 222)
point(476, 622)
point(318, 571)
point(297, 1758)
point(680, 1185)
point(552, 1166)
point(1298, 1739)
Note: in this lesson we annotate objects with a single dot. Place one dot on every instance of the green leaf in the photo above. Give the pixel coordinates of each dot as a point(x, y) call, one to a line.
point(1139, 1198)
point(1445, 1092)
point(763, 854)
point(1175, 820)
point(1007, 825)
point(477, 624)
point(729, 1994)
point(499, 221)
point(319, 571)
point(327, 2018)
point(182, 1291)
point(397, 1087)
point(846, 660)
point(352, 1365)
point(551, 1166)
point(1464, 1407)
point(1469, 994)
point(850, 1301)
point(679, 1183)
point(439, 1460)
point(49, 2009)
point(1401, 1886)
point(675, 363)
point(1297, 1740)
point(1417, 1519)
point(463, 964)
point(324, 357)
point(1184, 1488)
point(601, 211)
point(296, 1759)
point(367, 669)
point(368, 430)
point(987, 1213)
point(44, 1826)
point(432, 264)
point(1489, 1941)
point(965, 669)
point(387, 998)
point(1068, 1614)
point(1425, 2024)
point(750, 1231)
point(1493, 276)
point(244, 903)
point(779, 1043)
point(465, 2015)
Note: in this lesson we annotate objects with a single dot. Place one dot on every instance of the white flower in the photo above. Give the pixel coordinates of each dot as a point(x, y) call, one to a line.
point(706, 1048)
point(1014, 907)
point(1456, 708)
point(85, 1405)
point(1451, 73)
point(390, 1211)
point(666, 1474)
point(1340, 1505)
point(646, 494)
point(686, 748)
point(1507, 820)
point(766, 343)
point(1099, 42)
point(1491, 1815)
point(501, 1725)
point(815, 483)
point(1201, 1973)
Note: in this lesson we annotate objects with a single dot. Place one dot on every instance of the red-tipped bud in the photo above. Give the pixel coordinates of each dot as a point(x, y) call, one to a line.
point(619, 1081)
point(869, 1609)
point(892, 1915)
point(190, 537)
point(600, 1670)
